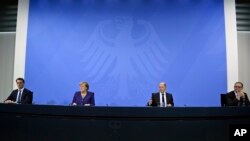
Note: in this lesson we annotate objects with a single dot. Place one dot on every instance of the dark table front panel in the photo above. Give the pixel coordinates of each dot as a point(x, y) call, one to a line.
point(70, 123)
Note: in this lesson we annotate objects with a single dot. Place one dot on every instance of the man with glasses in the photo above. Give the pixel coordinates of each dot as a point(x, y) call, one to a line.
point(237, 97)
point(21, 95)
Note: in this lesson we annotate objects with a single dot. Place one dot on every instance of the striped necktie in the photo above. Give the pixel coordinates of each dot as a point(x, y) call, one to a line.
point(19, 96)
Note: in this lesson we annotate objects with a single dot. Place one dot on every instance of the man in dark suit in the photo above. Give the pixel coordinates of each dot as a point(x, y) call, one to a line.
point(237, 97)
point(20, 95)
point(161, 98)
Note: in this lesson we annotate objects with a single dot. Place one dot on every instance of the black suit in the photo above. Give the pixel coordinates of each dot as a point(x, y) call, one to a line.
point(27, 96)
point(233, 101)
point(156, 99)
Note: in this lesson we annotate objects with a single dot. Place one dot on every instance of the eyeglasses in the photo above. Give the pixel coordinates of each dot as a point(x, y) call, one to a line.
point(237, 86)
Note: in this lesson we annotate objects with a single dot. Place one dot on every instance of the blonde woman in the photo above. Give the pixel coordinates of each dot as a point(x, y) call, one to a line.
point(84, 97)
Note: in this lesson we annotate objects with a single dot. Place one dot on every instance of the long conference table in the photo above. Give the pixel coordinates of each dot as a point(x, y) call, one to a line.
point(73, 123)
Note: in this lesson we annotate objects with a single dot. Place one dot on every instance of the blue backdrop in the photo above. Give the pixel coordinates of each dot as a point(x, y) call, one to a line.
point(124, 48)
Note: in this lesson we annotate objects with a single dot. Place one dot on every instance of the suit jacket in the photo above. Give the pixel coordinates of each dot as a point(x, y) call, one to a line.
point(156, 99)
point(27, 96)
point(88, 99)
point(233, 101)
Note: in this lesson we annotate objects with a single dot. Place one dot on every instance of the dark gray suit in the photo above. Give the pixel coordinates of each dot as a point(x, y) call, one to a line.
point(156, 99)
point(27, 96)
point(233, 101)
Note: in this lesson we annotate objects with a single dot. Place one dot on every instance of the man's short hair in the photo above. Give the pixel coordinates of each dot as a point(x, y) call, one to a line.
point(239, 83)
point(20, 79)
point(164, 84)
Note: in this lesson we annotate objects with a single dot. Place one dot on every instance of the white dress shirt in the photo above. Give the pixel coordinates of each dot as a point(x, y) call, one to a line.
point(20, 92)
point(165, 100)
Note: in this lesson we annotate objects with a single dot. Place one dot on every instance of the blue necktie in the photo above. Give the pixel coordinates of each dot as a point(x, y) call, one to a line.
point(19, 97)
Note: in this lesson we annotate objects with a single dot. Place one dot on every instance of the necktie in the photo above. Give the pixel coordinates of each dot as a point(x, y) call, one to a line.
point(19, 96)
point(163, 101)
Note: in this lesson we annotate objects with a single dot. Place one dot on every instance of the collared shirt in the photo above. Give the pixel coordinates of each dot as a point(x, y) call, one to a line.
point(20, 92)
point(165, 100)
point(235, 94)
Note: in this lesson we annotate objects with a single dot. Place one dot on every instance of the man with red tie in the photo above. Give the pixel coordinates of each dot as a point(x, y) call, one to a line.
point(21, 95)
point(161, 98)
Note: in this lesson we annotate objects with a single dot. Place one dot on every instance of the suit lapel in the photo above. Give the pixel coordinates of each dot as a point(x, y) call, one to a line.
point(15, 94)
point(23, 94)
point(167, 98)
point(157, 98)
point(86, 97)
point(233, 95)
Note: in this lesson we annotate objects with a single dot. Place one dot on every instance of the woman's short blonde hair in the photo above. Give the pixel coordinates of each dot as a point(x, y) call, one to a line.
point(85, 84)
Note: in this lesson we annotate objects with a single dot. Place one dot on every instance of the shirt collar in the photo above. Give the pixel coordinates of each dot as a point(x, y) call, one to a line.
point(21, 89)
point(163, 93)
point(235, 93)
